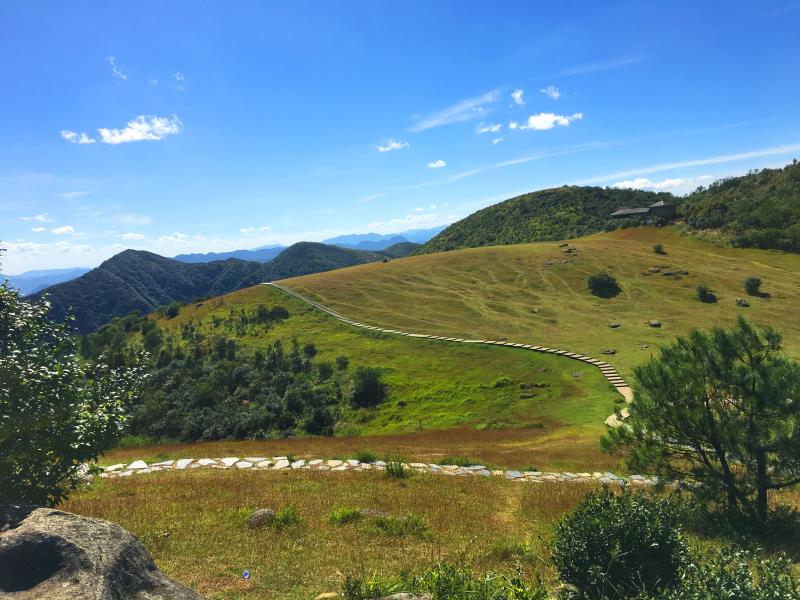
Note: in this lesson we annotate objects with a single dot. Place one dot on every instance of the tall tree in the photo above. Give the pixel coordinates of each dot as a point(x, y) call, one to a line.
point(56, 413)
point(718, 409)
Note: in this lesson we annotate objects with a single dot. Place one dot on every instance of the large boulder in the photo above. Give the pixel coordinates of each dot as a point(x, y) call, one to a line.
point(46, 553)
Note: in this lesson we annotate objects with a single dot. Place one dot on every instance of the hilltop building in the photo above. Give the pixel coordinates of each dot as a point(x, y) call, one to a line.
point(658, 210)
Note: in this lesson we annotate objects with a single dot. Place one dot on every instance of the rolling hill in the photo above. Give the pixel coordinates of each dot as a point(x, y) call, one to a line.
point(143, 281)
point(537, 293)
point(547, 215)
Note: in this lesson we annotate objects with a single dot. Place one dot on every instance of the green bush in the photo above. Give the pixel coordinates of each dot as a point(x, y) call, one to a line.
point(368, 390)
point(619, 546)
point(733, 573)
point(343, 515)
point(366, 456)
point(407, 524)
point(342, 362)
point(172, 310)
point(659, 249)
point(287, 516)
point(396, 469)
point(752, 286)
point(705, 295)
point(460, 461)
point(603, 285)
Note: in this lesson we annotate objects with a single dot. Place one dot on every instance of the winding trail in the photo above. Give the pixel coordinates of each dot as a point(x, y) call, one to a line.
point(608, 371)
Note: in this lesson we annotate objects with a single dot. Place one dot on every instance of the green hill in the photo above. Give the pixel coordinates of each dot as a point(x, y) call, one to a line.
point(760, 209)
point(555, 214)
point(143, 281)
point(402, 249)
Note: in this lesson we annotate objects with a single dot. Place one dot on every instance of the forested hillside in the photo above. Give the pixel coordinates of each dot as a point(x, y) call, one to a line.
point(760, 209)
point(143, 281)
point(554, 214)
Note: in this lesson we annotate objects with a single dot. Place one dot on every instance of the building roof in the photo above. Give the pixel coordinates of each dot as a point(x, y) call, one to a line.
point(661, 203)
point(630, 211)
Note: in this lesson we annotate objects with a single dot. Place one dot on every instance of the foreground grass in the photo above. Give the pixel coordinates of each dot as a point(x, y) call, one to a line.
point(534, 293)
point(431, 385)
point(193, 523)
point(548, 447)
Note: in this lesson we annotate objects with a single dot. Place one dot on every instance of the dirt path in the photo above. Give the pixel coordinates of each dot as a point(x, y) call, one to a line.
point(609, 372)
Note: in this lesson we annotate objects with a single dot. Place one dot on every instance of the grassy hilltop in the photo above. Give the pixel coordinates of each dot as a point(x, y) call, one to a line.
point(537, 293)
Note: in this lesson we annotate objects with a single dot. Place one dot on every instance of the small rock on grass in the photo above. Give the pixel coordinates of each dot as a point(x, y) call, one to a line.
point(260, 518)
point(613, 325)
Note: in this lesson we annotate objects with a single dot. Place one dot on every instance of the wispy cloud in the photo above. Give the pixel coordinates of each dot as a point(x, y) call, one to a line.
point(75, 138)
point(63, 230)
point(490, 128)
point(413, 220)
point(173, 238)
point(603, 65)
point(468, 109)
point(666, 185)
point(551, 92)
point(153, 81)
point(115, 71)
point(371, 197)
point(712, 160)
point(38, 229)
point(496, 141)
point(252, 230)
point(543, 121)
point(180, 80)
point(518, 97)
point(513, 125)
point(437, 164)
point(142, 128)
point(40, 218)
point(132, 236)
point(72, 195)
point(393, 145)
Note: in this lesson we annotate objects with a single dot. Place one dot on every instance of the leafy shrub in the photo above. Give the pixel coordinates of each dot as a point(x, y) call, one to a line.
point(368, 390)
point(618, 546)
point(342, 362)
point(659, 249)
point(705, 295)
point(396, 469)
point(366, 456)
point(407, 524)
point(309, 350)
point(460, 461)
point(734, 573)
point(172, 310)
point(344, 515)
point(603, 285)
point(501, 382)
point(287, 516)
point(752, 286)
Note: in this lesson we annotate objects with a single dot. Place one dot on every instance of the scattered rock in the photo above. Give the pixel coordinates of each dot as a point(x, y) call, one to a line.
point(261, 518)
point(609, 351)
point(643, 346)
point(742, 302)
point(668, 273)
point(564, 245)
point(654, 270)
point(137, 464)
point(654, 323)
point(682, 272)
point(613, 325)
point(46, 553)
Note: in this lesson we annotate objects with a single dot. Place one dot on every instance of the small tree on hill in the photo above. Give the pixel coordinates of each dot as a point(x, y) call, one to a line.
point(368, 390)
point(56, 413)
point(705, 295)
point(752, 286)
point(603, 285)
point(719, 409)
point(659, 249)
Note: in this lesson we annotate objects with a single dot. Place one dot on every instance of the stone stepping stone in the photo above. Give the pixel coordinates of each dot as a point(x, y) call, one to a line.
point(183, 463)
point(244, 464)
point(137, 464)
point(229, 461)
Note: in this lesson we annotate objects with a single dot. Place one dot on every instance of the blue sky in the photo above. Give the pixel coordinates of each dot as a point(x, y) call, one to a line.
point(208, 126)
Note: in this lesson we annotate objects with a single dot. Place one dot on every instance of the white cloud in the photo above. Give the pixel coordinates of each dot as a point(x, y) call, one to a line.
point(544, 121)
point(38, 229)
point(75, 138)
point(115, 69)
point(71, 195)
point(40, 218)
point(465, 110)
point(252, 230)
point(491, 128)
point(513, 125)
point(142, 128)
point(393, 145)
point(175, 237)
point(551, 92)
point(152, 81)
point(371, 197)
point(603, 65)
point(517, 95)
point(63, 230)
point(676, 185)
point(179, 76)
point(496, 141)
point(437, 164)
point(132, 236)
point(409, 221)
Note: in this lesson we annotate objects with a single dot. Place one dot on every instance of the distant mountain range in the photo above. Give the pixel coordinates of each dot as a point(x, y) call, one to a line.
point(263, 254)
point(139, 280)
point(378, 241)
point(31, 282)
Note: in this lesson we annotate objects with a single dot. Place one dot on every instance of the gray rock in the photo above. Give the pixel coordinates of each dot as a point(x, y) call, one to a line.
point(46, 553)
point(654, 323)
point(260, 518)
point(613, 325)
point(609, 351)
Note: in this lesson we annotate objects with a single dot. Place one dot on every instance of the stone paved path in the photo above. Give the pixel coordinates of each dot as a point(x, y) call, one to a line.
point(608, 371)
point(283, 463)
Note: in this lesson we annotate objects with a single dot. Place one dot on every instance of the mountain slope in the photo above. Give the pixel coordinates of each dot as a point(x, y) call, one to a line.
point(402, 249)
point(760, 209)
point(379, 241)
point(31, 282)
point(546, 215)
point(257, 255)
point(303, 258)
